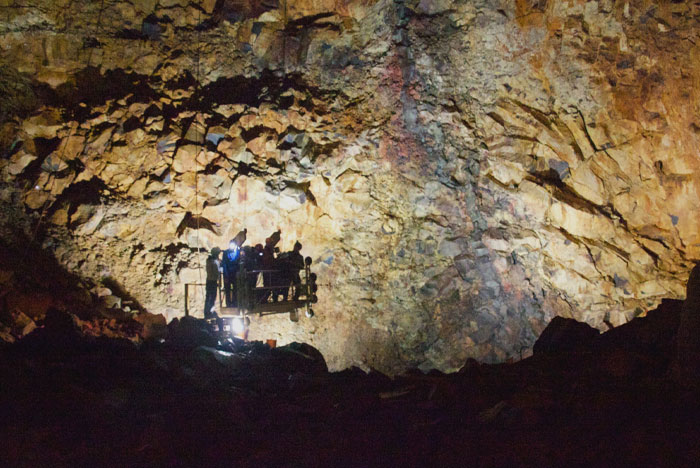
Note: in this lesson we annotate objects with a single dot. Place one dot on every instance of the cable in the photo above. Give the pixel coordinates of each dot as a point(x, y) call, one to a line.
point(198, 90)
point(97, 29)
point(52, 178)
point(284, 42)
point(284, 75)
point(44, 207)
point(279, 205)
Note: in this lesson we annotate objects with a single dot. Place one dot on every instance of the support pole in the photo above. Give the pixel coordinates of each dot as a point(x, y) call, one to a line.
point(218, 287)
point(187, 291)
point(307, 270)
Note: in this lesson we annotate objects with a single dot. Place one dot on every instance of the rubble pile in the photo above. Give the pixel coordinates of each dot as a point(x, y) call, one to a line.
point(33, 284)
point(187, 401)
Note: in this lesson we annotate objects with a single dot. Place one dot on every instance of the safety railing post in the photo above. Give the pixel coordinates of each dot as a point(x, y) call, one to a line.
point(187, 290)
point(218, 287)
point(307, 287)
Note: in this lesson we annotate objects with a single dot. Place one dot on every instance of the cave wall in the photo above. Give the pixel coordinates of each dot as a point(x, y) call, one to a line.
point(460, 171)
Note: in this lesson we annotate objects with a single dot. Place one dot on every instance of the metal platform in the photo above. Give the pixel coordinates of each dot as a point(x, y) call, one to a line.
point(267, 308)
point(249, 292)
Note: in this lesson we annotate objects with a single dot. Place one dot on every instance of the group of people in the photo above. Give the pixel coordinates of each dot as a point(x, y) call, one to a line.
point(242, 265)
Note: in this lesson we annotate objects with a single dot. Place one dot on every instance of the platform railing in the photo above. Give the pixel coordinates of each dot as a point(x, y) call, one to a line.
point(301, 289)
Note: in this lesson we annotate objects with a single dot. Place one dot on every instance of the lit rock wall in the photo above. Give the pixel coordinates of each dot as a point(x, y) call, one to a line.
point(460, 171)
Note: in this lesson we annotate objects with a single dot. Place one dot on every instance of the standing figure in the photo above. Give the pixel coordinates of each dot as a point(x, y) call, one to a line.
point(268, 264)
point(212, 285)
point(296, 263)
point(289, 264)
point(230, 269)
point(257, 266)
point(251, 265)
point(242, 287)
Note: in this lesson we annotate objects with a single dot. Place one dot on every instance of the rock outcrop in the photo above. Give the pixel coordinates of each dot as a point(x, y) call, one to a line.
point(460, 172)
point(35, 290)
point(687, 359)
point(105, 402)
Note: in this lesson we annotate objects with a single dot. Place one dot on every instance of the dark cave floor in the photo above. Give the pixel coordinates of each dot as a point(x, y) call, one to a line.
point(581, 400)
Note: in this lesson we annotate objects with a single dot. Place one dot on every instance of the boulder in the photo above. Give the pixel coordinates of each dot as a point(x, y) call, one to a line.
point(300, 357)
point(112, 302)
point(19, 324)
point(34, 304)
point(6, 336)
point(58, 335)
point(154, 326)
point(564, 335)
point(654, 333)
point(190, 333)
point(686, 365)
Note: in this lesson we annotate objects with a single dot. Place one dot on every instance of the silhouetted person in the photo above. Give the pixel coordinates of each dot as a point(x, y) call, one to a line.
point(241, 298)
point(686, 368)
point(268, 263)
point(229, 265)
point(289, 264)
point(213, 274)
point(258, 253)
point(296, 263)
point(250, 264)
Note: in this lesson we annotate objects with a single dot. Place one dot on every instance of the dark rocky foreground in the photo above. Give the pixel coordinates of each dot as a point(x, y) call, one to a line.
point(582, 400)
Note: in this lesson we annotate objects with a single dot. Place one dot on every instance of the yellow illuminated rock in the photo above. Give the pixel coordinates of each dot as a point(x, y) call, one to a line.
point(459, 172)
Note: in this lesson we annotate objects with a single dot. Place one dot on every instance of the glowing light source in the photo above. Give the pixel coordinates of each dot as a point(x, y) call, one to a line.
point(237, 326)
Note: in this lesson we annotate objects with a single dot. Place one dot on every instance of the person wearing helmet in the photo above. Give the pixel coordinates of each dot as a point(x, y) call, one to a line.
point(230, 269)
point(213, 268)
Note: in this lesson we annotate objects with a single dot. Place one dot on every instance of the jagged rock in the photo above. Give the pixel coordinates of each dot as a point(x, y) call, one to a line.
point(454, 209)
point(299, 357)
point(19, 161)
point(565, 335)
point(34, 304)
point(654, 333)
point(112, 302)
point(6, 335)
point(120, 327)
point(58, 335)
point(190, 333)
point(686, 365)
point(154, 326)
point(21, 324)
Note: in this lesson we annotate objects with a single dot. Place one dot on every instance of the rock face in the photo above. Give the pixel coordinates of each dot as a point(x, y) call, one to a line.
point(460, 172)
